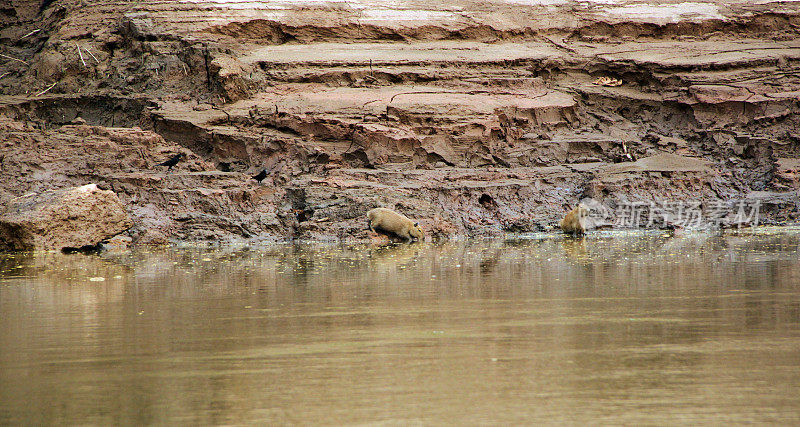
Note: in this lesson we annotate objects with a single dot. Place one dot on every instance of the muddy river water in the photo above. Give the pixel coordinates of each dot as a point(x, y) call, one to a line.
point(613, 329)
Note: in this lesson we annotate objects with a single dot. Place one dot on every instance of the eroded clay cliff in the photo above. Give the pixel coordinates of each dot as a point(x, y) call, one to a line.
point(473, 117)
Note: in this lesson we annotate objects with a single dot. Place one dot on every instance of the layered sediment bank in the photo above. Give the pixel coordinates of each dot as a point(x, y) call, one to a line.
point(475, 118)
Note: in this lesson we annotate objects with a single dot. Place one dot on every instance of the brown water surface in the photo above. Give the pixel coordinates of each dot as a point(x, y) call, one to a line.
point(613, 329)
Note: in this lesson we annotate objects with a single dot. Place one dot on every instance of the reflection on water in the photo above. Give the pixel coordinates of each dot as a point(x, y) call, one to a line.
point(615, 328)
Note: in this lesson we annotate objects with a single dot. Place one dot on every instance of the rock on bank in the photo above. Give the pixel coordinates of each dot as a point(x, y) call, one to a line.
point(72, 218)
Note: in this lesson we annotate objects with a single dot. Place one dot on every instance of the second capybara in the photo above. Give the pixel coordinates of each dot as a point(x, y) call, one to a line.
point(574, 221)
point(389, 221)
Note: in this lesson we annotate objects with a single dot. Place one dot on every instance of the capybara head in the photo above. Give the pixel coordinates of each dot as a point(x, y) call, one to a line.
point(415, 232)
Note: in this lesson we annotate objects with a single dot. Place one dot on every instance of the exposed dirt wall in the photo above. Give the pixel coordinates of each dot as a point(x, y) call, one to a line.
point(476, 118)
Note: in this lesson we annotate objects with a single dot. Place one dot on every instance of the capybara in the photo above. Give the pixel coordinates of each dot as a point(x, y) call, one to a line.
point(391, 222)
point(574, 221)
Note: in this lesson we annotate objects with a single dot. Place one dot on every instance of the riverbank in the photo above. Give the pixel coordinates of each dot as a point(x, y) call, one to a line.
point(475, 120)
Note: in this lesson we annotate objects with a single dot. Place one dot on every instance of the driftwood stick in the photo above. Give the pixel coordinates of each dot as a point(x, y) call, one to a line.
point(90, 53)
point(80, 54)
point(13, 59)
point(31, 33)
point(4, 74)
point(45, 91)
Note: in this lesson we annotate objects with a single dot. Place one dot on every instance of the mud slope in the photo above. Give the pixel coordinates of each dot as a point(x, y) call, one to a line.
point(477, 118)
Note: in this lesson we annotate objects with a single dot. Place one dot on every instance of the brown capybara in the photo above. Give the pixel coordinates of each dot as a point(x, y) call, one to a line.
point(574, 221)
point(391, 222)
